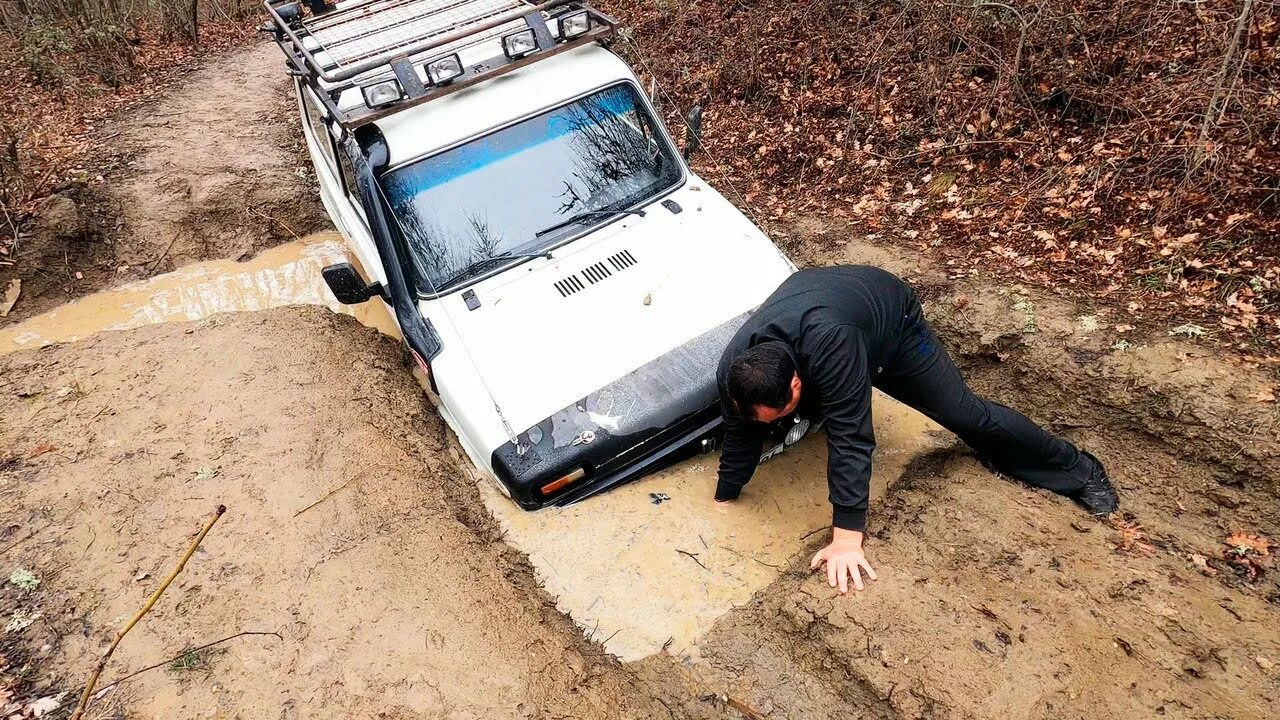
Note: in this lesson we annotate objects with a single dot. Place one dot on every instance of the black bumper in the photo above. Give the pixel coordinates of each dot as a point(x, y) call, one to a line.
point(649, 419)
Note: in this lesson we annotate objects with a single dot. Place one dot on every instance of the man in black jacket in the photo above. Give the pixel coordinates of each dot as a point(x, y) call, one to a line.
point(817, 346)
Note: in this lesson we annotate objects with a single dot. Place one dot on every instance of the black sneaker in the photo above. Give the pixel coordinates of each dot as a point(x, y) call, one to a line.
point(1097, 496)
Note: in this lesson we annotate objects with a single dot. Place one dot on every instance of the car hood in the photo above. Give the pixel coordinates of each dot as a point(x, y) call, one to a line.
point(546, 334)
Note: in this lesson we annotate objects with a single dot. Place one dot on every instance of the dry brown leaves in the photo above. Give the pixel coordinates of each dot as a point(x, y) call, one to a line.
point(1062, 183)
point(1251, 553)
point(1132, 537)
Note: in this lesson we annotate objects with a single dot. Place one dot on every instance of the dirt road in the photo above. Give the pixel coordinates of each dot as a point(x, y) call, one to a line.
point(213, 170)
point(356, 536)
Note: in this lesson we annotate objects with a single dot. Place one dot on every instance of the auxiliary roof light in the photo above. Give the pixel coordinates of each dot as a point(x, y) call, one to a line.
point(442, 71)
point(518, 44)
point(381, 94)
point(574, 24)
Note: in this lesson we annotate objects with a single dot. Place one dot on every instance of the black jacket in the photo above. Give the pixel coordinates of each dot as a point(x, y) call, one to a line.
point(843, 326)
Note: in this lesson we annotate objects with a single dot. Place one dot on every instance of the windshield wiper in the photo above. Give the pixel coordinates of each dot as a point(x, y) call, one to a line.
point(583, 216)
point(486, 262)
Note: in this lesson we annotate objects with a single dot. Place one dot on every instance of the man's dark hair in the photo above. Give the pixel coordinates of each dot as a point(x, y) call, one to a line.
point(761, 375)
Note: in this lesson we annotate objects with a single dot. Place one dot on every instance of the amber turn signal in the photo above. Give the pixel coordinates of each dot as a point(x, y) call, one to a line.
point(565, 481)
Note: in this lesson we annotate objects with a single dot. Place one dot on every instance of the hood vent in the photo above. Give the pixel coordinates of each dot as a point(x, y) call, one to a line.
point(598, 272)
point(569, 286)
point(622, 260)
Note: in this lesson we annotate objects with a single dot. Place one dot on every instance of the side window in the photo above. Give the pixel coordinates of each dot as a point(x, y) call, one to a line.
point(319, 131)
point(348, 177)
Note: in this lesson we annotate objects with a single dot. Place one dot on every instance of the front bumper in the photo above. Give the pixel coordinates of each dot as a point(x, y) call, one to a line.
point(649, 419)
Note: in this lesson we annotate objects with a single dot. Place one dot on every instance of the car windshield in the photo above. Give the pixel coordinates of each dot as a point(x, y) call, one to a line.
point(498, 195)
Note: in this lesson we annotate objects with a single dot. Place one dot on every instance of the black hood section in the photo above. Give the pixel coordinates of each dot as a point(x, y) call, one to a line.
point(620, 432)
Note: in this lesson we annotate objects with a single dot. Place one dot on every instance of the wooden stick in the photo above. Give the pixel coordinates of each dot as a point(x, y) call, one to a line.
point(183, 654)
point(102, 661)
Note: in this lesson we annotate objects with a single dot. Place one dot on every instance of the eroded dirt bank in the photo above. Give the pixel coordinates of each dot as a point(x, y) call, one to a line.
point(392, 596)
point(213, 168)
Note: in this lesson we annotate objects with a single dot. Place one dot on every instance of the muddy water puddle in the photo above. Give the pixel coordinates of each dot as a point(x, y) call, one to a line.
point(641, 574)
point(285, 275)
point(647, 567)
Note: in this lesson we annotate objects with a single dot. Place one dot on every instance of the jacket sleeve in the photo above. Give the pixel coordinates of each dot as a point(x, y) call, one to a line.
point(743, 442)
point(838, 366)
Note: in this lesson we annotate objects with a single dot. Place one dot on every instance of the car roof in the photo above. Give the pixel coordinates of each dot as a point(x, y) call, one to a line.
point(442, 122)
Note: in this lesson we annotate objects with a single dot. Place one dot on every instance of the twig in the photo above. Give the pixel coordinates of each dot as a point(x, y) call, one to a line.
point(1225, 78)
point(693, 557)
point(163, 255)
point(350, 480)
point(183, 654)
point(102, 661)
point(276, 220)
point(327, 495)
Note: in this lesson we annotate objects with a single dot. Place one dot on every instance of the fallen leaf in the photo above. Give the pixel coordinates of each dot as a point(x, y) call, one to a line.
point(1202, 564)
point(46, 705)
point(1122, 328)
point(11, 293)
point(1264, 395)
point(1246, 544)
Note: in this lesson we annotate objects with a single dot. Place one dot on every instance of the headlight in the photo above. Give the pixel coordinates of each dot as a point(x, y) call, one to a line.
point(382, 93)
point(442, 70)
point(519, 44)
point(574, 24)
point(797, 431)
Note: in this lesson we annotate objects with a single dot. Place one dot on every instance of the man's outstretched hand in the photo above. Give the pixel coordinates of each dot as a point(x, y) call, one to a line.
point(844, 559)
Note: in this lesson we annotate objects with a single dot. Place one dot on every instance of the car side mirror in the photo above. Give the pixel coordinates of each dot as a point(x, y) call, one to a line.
point(347, 285)
point(693, 132)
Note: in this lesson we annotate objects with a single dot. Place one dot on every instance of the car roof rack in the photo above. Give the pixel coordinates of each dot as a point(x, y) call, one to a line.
point(391, 43)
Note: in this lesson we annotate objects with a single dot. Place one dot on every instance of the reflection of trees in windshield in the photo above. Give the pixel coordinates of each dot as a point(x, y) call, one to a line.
point(492, 196)
point(611, 150)
point(437, 258)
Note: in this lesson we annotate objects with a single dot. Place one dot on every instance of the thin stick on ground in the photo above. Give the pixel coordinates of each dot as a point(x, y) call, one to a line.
point(183, 654)
point(102, 661)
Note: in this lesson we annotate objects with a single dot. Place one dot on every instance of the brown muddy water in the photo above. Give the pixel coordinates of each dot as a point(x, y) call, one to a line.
point(639, 576)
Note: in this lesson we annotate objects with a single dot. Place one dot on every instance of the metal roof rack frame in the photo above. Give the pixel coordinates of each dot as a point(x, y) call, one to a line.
point(336, 49)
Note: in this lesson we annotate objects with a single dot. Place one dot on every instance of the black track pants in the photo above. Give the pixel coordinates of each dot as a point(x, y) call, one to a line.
point(924, 377)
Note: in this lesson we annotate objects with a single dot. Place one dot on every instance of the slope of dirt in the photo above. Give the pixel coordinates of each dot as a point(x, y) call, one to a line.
point(995, 601)
point(213, 168)
point(348, 532)
point(216, 171)
point(999, 601)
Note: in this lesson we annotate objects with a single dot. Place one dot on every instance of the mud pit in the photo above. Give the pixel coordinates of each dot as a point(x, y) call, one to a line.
point(395, 593)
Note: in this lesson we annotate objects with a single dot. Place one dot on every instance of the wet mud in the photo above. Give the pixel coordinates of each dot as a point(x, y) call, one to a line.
point(339, 536)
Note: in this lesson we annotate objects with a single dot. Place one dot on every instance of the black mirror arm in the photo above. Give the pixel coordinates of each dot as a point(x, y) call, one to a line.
point(693, 132)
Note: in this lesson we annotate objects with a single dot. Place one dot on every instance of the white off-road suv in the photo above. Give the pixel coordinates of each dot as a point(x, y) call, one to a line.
point(505, 186)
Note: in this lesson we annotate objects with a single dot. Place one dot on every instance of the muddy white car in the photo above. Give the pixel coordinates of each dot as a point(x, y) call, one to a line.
point(506, 188)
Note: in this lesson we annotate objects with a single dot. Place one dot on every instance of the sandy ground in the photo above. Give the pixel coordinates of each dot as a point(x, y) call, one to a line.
point(387, 605)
